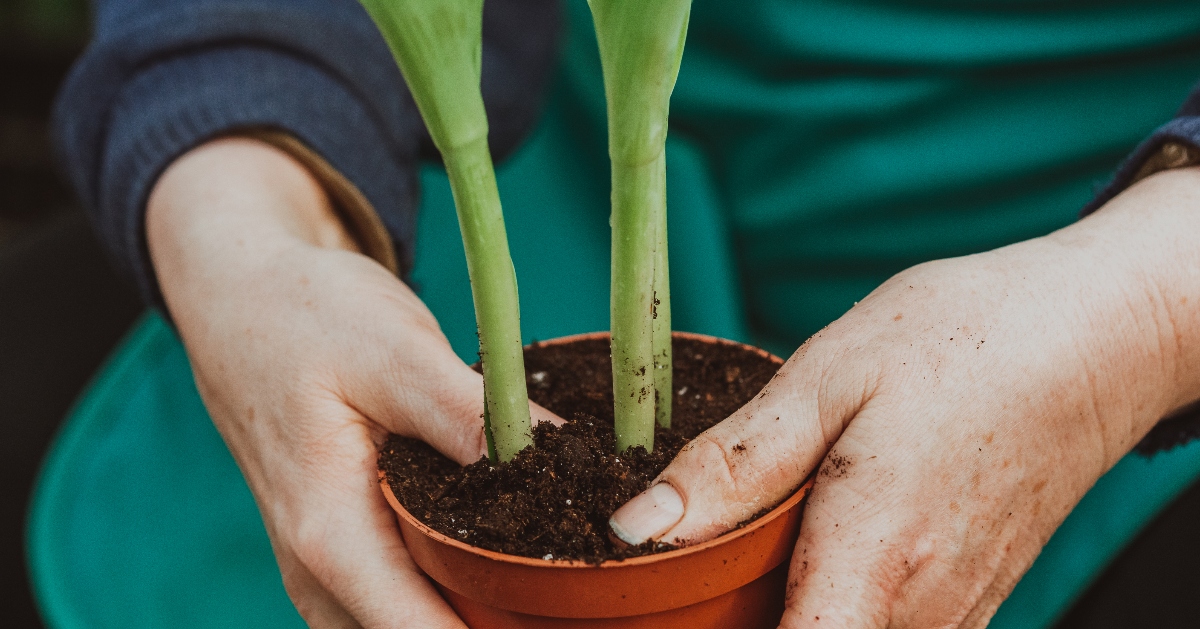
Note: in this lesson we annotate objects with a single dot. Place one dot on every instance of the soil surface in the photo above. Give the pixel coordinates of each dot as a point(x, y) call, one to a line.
point(553, 501)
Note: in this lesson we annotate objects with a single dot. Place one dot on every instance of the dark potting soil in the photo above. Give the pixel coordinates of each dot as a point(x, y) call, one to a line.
point(553, 501)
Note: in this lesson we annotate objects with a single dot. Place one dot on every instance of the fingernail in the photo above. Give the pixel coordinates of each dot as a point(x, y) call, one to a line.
point(650, 514)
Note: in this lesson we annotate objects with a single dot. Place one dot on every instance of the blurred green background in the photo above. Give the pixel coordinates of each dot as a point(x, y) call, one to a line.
point(48, 257)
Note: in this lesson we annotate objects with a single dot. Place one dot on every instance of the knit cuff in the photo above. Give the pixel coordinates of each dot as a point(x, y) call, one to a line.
point(1174, 145)
point(174, 105)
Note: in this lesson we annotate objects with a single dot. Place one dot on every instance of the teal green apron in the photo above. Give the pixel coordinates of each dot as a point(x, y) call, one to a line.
point(817, 148)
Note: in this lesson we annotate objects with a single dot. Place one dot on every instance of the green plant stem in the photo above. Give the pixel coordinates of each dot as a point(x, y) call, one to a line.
point(641, 45)
point(488, 435)
point(438, 45)
point(663, 355)
point(494, 289)
point(637, 192)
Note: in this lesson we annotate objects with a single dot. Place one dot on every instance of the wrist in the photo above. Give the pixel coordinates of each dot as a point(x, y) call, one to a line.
point(240, 183)
point(227, 207)
point(1138, 270)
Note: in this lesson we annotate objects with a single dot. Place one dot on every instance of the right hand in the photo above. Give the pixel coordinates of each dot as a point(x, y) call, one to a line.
point(307, 354)
point(956, 415)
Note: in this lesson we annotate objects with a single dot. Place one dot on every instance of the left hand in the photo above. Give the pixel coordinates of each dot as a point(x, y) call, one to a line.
point(307, 354)
point(961, 411)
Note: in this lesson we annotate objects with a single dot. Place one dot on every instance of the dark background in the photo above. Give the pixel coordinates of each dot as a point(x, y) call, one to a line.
point(62, 310)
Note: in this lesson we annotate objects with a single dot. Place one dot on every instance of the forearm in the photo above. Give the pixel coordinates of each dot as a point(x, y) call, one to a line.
point(1137, 270)
point(205, 239)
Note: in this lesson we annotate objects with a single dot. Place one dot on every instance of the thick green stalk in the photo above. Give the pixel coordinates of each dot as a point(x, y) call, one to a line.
point(641, 45)
point(494, 288)
point(438, 45)
point(663, 356)
point(636, 201)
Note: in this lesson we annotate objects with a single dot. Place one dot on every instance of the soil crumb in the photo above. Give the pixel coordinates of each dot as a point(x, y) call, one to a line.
point(553, 501)
point(836, 466)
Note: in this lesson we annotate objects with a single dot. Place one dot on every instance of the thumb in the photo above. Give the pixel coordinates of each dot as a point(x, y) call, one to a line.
point(751, 461)
point(440, 404)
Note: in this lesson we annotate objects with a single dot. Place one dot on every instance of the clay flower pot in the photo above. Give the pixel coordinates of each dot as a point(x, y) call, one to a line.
point(736, 581)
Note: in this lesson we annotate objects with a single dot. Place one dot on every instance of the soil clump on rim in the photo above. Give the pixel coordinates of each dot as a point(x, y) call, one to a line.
point(553, 501)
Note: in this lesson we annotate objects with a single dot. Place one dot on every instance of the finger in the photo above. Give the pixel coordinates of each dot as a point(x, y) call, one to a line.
point(751, 461)
point(1001, 586)
point(538, 415)
point(316, 606)
point(440, 403)
point(348, 540)
point(982, 614)
point(872, 554)
point(848, 566)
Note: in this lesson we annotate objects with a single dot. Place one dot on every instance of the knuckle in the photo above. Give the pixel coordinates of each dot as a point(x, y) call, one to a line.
point(711, 461)
point(310, 544)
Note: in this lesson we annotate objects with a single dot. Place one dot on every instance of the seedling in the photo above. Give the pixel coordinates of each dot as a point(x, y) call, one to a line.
point(438, 45)
point(641, 45)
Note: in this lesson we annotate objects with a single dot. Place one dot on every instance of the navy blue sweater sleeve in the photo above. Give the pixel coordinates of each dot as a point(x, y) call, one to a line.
point(1183, 131)
point(162, 76)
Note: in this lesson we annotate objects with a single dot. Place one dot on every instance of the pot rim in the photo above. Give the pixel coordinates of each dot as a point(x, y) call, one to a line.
point(574, 564)
point(794, 497)
point(695, 336)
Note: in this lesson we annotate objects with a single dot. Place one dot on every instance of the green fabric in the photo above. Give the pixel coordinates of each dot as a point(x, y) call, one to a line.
point(850, 139)
point(141, 518)
point(817, 148)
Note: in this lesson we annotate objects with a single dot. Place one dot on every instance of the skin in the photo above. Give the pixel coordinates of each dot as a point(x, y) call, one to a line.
point(958, 413)
point(955, 415)
point(307, 354)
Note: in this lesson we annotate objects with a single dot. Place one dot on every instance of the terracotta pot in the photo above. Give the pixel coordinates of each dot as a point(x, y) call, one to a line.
point(736, 581)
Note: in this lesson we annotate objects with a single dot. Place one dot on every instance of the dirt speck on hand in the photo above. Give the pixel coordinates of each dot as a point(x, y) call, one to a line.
point(836, 465)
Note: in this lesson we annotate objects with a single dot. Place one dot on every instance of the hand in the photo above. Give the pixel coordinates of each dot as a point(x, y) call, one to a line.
point(957, 414)
point(306, 355)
